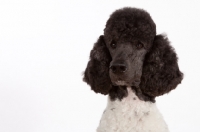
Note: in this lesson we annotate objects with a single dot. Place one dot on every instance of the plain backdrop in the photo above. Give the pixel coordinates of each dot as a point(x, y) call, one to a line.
point(44, 49)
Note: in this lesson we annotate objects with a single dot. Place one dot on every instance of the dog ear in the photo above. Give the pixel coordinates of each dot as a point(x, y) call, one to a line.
point(160, 73)
point(97, 70)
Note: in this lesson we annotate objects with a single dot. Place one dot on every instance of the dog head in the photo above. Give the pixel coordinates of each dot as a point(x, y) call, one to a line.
point(128, 35)
point(131, 54)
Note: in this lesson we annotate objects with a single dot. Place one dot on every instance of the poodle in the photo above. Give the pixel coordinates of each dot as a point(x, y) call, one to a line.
point(132, 65)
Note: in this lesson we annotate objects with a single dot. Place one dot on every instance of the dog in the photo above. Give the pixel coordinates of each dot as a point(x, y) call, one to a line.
point(132, 65)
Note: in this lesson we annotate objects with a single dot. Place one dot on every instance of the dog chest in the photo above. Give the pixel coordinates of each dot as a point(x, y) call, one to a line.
point(131, 115)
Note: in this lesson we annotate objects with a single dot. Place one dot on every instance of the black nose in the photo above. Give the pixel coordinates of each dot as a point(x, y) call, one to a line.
point(118, 68)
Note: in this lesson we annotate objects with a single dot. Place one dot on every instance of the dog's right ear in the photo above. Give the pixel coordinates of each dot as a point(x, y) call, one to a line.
point(97, 70)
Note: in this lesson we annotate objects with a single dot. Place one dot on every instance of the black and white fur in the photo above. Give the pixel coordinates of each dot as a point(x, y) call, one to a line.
point(133, 66)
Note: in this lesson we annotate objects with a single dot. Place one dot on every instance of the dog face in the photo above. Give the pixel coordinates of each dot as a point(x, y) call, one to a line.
point(131, 54)
point(127, 60)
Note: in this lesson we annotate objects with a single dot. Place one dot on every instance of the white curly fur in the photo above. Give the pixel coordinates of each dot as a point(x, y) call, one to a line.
point(131, 115)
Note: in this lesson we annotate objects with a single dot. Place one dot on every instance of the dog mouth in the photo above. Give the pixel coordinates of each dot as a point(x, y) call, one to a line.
point(125, 83)
point(120, 83)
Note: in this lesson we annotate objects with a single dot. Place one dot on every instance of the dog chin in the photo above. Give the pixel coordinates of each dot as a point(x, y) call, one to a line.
point(124, 83)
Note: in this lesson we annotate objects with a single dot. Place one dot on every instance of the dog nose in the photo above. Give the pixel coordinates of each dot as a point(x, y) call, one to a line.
point(118, 68)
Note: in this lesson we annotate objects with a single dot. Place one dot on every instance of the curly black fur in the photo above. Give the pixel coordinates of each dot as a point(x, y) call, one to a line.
point(96, 73)
point(156, 67)
point(161, 73)
point(118, 92)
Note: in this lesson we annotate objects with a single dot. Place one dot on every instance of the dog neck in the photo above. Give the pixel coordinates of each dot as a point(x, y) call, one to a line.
point(130, 100)
point(121, 92)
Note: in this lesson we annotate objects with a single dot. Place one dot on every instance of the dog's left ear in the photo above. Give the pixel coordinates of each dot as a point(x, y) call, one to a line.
point(160, 73)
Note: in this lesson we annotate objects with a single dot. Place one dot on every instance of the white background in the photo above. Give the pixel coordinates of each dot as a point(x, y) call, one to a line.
point(44, 49)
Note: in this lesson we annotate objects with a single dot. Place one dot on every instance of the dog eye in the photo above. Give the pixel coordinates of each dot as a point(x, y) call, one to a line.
point(139, 45)
point(113, 44)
